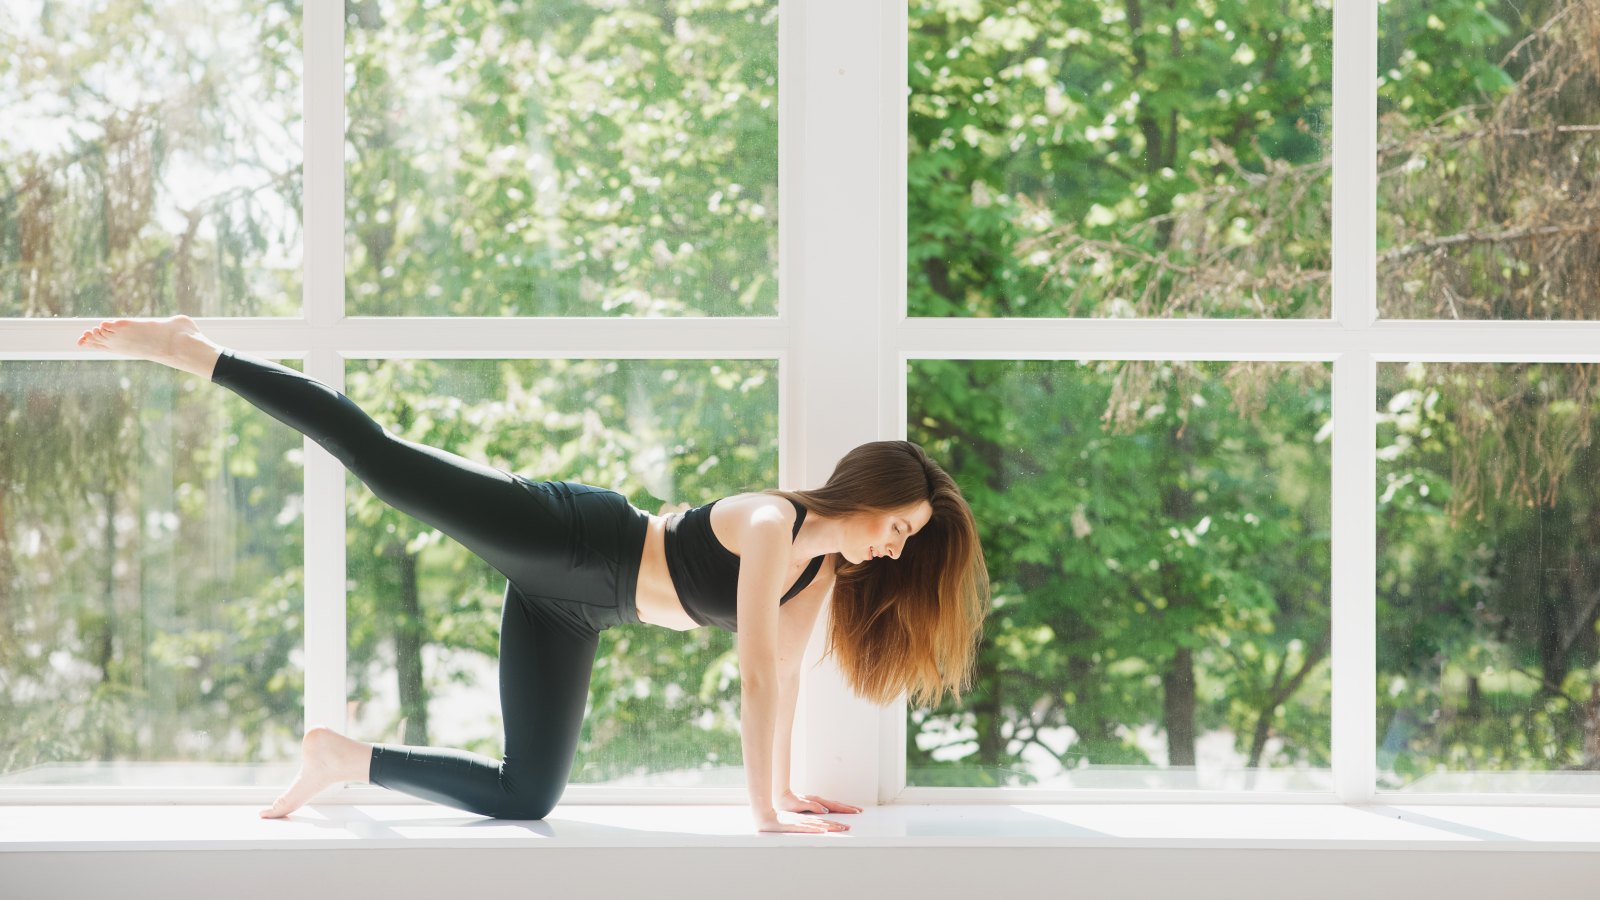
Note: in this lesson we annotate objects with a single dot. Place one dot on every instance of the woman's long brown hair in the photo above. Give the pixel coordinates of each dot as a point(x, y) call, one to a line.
point(911, 624)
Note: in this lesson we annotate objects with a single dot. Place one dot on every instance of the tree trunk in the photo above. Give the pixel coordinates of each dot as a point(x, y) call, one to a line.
point(1160, 147)
point(1177, 682)
point(1178, 708)
point(1281, 693)
point(1551, 659)
point(937, 271)
point(105, 647)
point(991, 743)
point(1087, 719)
point(8, 575)
point(408, 639)
point(1552, 652)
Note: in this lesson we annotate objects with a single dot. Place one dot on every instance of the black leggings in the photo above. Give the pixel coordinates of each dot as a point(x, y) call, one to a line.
point(570, 554)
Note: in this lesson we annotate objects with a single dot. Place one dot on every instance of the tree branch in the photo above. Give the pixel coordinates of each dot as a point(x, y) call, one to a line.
point(1456, 137)
point(1583, 623)
point(1496, 237)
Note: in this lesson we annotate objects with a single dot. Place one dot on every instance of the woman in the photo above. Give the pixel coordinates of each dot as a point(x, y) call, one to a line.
point(889, 539)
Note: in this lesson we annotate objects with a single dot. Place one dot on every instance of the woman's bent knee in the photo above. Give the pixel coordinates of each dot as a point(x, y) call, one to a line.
point(526, 810)
point(532, 800)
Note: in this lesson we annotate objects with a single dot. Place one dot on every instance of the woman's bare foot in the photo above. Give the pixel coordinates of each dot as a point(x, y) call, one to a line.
point(327, 758)
point(174, 341)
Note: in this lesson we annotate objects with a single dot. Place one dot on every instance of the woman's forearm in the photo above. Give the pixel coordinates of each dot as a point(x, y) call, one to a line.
point(758, 718)
point(783, 736)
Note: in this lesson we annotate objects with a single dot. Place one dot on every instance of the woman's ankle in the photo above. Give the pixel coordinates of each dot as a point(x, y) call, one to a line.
point(197, 355)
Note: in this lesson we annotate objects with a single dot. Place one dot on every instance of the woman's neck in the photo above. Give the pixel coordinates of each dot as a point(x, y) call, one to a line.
point(819, 535)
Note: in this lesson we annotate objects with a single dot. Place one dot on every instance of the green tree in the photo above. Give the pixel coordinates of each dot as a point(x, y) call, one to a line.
point(591, 159)
point(1163, 574)
point(1111, 116)
point(1486, 213)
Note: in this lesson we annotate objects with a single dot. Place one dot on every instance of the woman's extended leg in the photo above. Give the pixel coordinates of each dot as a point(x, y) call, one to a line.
point(481, 507)
point(545, 659)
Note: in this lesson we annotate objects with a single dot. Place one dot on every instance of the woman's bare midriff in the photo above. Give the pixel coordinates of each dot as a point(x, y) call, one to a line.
point(656, 596)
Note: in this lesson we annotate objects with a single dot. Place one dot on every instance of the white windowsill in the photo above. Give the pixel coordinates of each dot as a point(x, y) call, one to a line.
point(1176, 826)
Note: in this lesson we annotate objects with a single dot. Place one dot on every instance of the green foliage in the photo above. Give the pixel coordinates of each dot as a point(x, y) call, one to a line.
point(594, 159)
point(1435, 57)
point(145, 168)
point(1112, 554)
point(1112, 605)
point(152, 596)
point(1107, 118)
point(1158, 533)
point(1487, 647)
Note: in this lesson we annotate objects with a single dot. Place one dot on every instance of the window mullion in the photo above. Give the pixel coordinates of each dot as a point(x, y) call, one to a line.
point(1354, 513)
point(1354, 579)
point(834, 62)
point(892, 361)
point(323, 308)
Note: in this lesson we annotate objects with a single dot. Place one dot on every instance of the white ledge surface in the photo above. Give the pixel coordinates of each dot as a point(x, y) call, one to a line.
point(1188, 826)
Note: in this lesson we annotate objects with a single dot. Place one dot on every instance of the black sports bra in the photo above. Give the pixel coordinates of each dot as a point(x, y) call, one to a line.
point(706, 574)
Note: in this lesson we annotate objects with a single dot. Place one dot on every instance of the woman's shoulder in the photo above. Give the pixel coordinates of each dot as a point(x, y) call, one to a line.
point(734, 516)
point(755, 508)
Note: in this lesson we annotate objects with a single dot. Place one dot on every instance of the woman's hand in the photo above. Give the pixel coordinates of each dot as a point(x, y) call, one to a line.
point(767, 820)
point(789, 801)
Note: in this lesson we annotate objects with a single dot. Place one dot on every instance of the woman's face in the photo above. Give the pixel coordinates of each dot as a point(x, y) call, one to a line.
point(876, 535)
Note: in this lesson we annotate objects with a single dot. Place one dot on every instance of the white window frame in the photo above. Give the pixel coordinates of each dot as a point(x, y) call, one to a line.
point(842, 341)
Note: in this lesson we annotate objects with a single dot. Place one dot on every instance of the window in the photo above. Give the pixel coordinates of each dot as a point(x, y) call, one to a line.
point(1157, 530)
point(1166, 287)
point(633, 174)
point(147, 172)
point(1486, 148)
point(154, 578)
point(1122, 160)
point(1124, 132)
point(1161, 579)
point(1486, 635)
point(565, 159)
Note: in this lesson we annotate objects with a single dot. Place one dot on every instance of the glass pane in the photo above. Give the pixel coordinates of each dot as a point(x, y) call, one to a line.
point(150, 159)
point(425, 614)
point(1488, 141)
point(1110, 160)
point(1488, 590)
point(574, 158)
point(1157, 535)
point(150, 580)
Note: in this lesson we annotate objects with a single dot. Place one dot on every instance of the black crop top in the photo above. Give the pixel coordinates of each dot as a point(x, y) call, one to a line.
point(706, 574)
